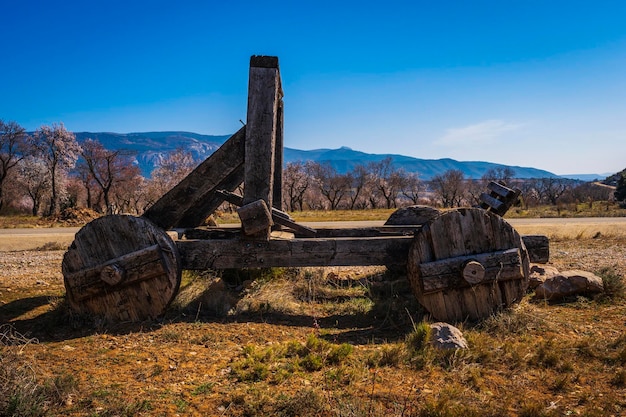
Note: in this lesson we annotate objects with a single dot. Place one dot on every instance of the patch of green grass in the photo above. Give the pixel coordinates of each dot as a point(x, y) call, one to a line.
point(614, 284)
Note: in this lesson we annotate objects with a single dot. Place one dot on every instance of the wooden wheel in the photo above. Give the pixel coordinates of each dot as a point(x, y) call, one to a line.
point(409, 216)
point(412, 215)
point(467, 264)
point(123, 268)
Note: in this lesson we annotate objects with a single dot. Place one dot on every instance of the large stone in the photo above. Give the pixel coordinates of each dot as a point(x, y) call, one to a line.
point(446, 336)
point(540, 274)
point(569, 283)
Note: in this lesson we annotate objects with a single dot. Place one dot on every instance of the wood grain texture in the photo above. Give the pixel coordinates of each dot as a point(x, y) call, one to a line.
point(467, 234)
point(235, 253)
point(143, 255)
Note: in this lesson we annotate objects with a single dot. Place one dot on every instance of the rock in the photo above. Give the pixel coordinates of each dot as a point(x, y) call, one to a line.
point(446, 336)
point(540, 274)
point(568, 283)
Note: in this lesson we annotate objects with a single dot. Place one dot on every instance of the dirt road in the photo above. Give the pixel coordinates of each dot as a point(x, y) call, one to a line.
point(33, 238)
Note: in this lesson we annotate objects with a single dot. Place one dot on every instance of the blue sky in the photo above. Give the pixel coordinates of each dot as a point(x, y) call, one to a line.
point(529, 83)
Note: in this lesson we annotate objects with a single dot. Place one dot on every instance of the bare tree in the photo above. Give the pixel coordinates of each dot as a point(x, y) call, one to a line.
point(332, 185)
point(13, 146)
point(449, 187)
point(551, 189)
point(296, 182)
point(358, 178)
point(412, 187)
point(503, 175)
point(34, 179)
point(59, 150)
point(172, 168)
point(387, 180)
point(106, 169)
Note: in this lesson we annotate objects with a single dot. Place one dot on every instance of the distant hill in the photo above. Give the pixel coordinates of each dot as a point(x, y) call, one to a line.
point(150, 147)
point(587, 177)
point(344, 159)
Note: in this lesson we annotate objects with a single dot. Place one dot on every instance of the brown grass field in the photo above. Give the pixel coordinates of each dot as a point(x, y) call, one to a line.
point(312, 342)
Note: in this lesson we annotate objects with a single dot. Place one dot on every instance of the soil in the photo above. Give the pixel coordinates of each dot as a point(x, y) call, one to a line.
point(199, 359)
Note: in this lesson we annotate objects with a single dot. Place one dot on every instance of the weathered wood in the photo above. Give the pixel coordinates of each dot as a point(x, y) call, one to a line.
point(450, 273)
point(278, 216)
point(299, 229)
point(491, 202)
point(193, 199)
point(538, 247)
point(367, 231)
point(500, 199)
point(264, 96)
point(412, 215)
point(500, 190)
point(234, 253)
point(474, 272)
point(122, 268)
point(203, 208)
point(467, 234)
point(255, 217)
point(277, 184)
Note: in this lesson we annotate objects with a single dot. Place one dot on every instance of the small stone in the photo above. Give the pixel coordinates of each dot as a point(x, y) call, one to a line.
point(446, 336)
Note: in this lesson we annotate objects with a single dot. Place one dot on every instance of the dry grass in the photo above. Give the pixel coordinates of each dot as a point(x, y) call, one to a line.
point(309, 342)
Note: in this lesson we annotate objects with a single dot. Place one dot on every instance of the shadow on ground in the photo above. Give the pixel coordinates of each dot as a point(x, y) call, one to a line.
point(390, 317)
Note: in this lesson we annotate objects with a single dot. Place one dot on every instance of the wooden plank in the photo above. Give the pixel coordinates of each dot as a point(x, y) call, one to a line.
point(278, 216)
point(491, 202)
point(87, 276)
point(235, 253)
point(302, 231)
point(198, 213)
point(500, 189)
point(277, 186)
point(142, 268)
point(448, 273)
point(538, 247)
point(264, 95)
point(186, 200)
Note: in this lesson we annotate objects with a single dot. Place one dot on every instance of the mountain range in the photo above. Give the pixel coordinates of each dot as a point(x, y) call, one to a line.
point(151, 147)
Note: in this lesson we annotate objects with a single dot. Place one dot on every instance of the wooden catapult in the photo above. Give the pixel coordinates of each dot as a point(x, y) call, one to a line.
point(462, 264)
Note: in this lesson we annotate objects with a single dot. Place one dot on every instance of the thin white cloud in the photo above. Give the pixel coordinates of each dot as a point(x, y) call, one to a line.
point(479, 133)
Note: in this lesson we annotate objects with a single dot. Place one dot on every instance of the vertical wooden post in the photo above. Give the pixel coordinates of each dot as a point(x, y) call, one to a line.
point(262, 127)
point(278, 159)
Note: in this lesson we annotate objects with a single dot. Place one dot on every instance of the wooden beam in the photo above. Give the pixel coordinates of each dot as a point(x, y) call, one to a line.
point(277, 185)
point(264, 95)
point(448, 273)
point(278, 216)
point(235, 253)
point(197, 214)
point(299, 252)
point(255, 217)
point(538, 247)
point(188, 199)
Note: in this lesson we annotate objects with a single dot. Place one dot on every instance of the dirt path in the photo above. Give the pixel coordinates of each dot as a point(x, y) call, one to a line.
point(61, 237)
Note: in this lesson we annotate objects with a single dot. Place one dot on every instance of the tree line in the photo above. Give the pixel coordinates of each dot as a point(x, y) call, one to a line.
point(48, 171)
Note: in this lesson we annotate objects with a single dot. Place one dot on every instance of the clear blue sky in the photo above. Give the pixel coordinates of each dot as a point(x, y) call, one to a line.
point(530, 83)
